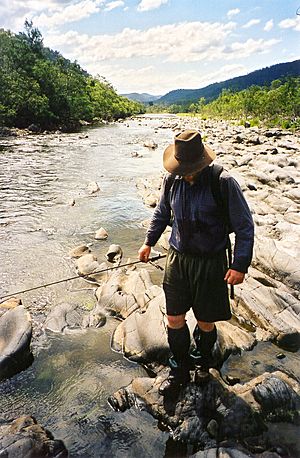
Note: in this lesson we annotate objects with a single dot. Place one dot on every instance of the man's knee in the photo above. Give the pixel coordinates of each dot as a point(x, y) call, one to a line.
point(206, 327)
point(176, 321)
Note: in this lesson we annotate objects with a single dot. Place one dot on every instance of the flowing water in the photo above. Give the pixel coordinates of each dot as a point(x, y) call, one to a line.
point(67, 386)
point(72, 375)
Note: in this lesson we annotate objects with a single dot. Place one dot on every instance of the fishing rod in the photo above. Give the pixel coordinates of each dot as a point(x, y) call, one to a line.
point(151, 260)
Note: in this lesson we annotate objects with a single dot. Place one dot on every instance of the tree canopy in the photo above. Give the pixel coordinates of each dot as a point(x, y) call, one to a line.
point(39, 86)
point(277, 104)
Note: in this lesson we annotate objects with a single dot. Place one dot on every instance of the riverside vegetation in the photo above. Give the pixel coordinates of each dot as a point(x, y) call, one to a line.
point(39, 86)
point(275, 105)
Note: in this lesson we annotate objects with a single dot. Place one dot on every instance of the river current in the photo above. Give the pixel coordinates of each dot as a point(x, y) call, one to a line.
point(67, 386)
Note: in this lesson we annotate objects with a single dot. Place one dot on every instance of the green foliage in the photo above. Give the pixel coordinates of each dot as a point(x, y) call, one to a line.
point(274, 105)
point(39, 86)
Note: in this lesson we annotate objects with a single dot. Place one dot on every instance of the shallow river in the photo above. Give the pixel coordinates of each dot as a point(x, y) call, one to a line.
point(67, 386)
point(72, 375)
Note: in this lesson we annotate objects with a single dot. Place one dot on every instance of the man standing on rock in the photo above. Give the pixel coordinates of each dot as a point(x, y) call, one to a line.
point(196, 271)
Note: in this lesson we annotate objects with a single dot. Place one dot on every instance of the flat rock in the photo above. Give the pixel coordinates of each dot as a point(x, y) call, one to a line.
point(15, 339)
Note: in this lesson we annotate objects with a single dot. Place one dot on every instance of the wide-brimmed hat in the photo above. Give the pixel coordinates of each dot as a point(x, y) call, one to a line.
point(187, 155)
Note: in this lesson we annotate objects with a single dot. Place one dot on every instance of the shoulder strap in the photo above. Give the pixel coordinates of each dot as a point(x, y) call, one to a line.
point(221, 199)
point(216, 171)
point(169, 182)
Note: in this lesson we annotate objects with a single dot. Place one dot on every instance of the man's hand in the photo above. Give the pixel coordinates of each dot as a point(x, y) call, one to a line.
point(233, 277)
point(144, 253)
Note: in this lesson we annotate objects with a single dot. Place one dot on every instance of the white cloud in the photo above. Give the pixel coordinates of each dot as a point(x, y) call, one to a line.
point(233, 12)
point(149, 79)
point(174, 43)
point(71, 13)
point(251, 23)
point(291, 24)
point(14, 12)
point(183, 42)
point(251, 46)
point(146, 5)
point(269, 25)
point(112, 5)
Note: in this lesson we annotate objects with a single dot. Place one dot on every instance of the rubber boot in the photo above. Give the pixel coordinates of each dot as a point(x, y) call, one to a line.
point(202, 356)
point(179, 375)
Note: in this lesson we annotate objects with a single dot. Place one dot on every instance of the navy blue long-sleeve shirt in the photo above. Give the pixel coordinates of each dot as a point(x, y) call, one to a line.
point(198, 224)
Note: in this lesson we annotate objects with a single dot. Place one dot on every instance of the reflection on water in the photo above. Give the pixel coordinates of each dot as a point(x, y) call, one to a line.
point(67, 386)
point(66, 389)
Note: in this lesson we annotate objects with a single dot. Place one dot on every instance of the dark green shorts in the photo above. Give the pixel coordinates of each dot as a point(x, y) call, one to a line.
point(197, 281)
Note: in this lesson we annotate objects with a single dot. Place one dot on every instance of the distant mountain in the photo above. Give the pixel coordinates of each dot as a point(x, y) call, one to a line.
point(259, 77)
point(141, 97)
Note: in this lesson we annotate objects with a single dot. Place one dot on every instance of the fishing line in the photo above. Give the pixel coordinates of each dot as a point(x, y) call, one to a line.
point(154, 258)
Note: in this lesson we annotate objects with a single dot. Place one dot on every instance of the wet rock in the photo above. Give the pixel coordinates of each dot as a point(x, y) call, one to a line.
point(241, 410)
point(24, 437)
point(144, 343)
point(150, 144)
point(101, 234)
point(79, 251)
point(11, 303)
point(87, 264)
point(62, 316)
point(212, 428)
point(15, 332)
point(93, 187)
point(114, 254)
point(277, 398)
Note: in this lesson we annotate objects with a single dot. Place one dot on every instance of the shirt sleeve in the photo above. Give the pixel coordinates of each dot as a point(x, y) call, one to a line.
point(241, 222)
point(161, 216)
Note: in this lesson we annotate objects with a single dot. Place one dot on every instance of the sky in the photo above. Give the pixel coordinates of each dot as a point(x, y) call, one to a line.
point(156, 46)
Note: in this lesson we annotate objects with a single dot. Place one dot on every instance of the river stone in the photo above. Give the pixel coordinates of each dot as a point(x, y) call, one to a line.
point(11, 303)
point(62, 316)
point(24, 437)
point(15, 338)
point(150, 144)
point(279, 259)
point(241, 410)
point(122, 293)
point(143, 343)
point(79, 251)
point(270, 308)
point(114, 254)
point(93, 187)
point(101, 234)
point(87, 264)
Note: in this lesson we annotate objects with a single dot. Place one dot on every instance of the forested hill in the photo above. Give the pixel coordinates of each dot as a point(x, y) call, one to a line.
point(259, 77)
point(39, 86)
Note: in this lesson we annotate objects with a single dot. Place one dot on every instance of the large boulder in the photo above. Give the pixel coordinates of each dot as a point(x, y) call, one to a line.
point(24, 437)
point(267, 305)
point(207, 415)
point(15, 338)
point(142, 336)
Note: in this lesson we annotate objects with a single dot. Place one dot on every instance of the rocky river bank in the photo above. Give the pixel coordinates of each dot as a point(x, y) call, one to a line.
point(231, 416)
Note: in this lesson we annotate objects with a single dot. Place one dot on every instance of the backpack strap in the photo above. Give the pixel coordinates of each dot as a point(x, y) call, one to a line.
point(221, 199)
point(169, 183)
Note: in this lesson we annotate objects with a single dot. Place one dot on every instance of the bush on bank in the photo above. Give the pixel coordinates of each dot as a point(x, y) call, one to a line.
point(39, 86)
point(277, 105)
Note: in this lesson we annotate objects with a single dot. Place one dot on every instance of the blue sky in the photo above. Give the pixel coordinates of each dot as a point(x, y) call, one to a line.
point(156, 46)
